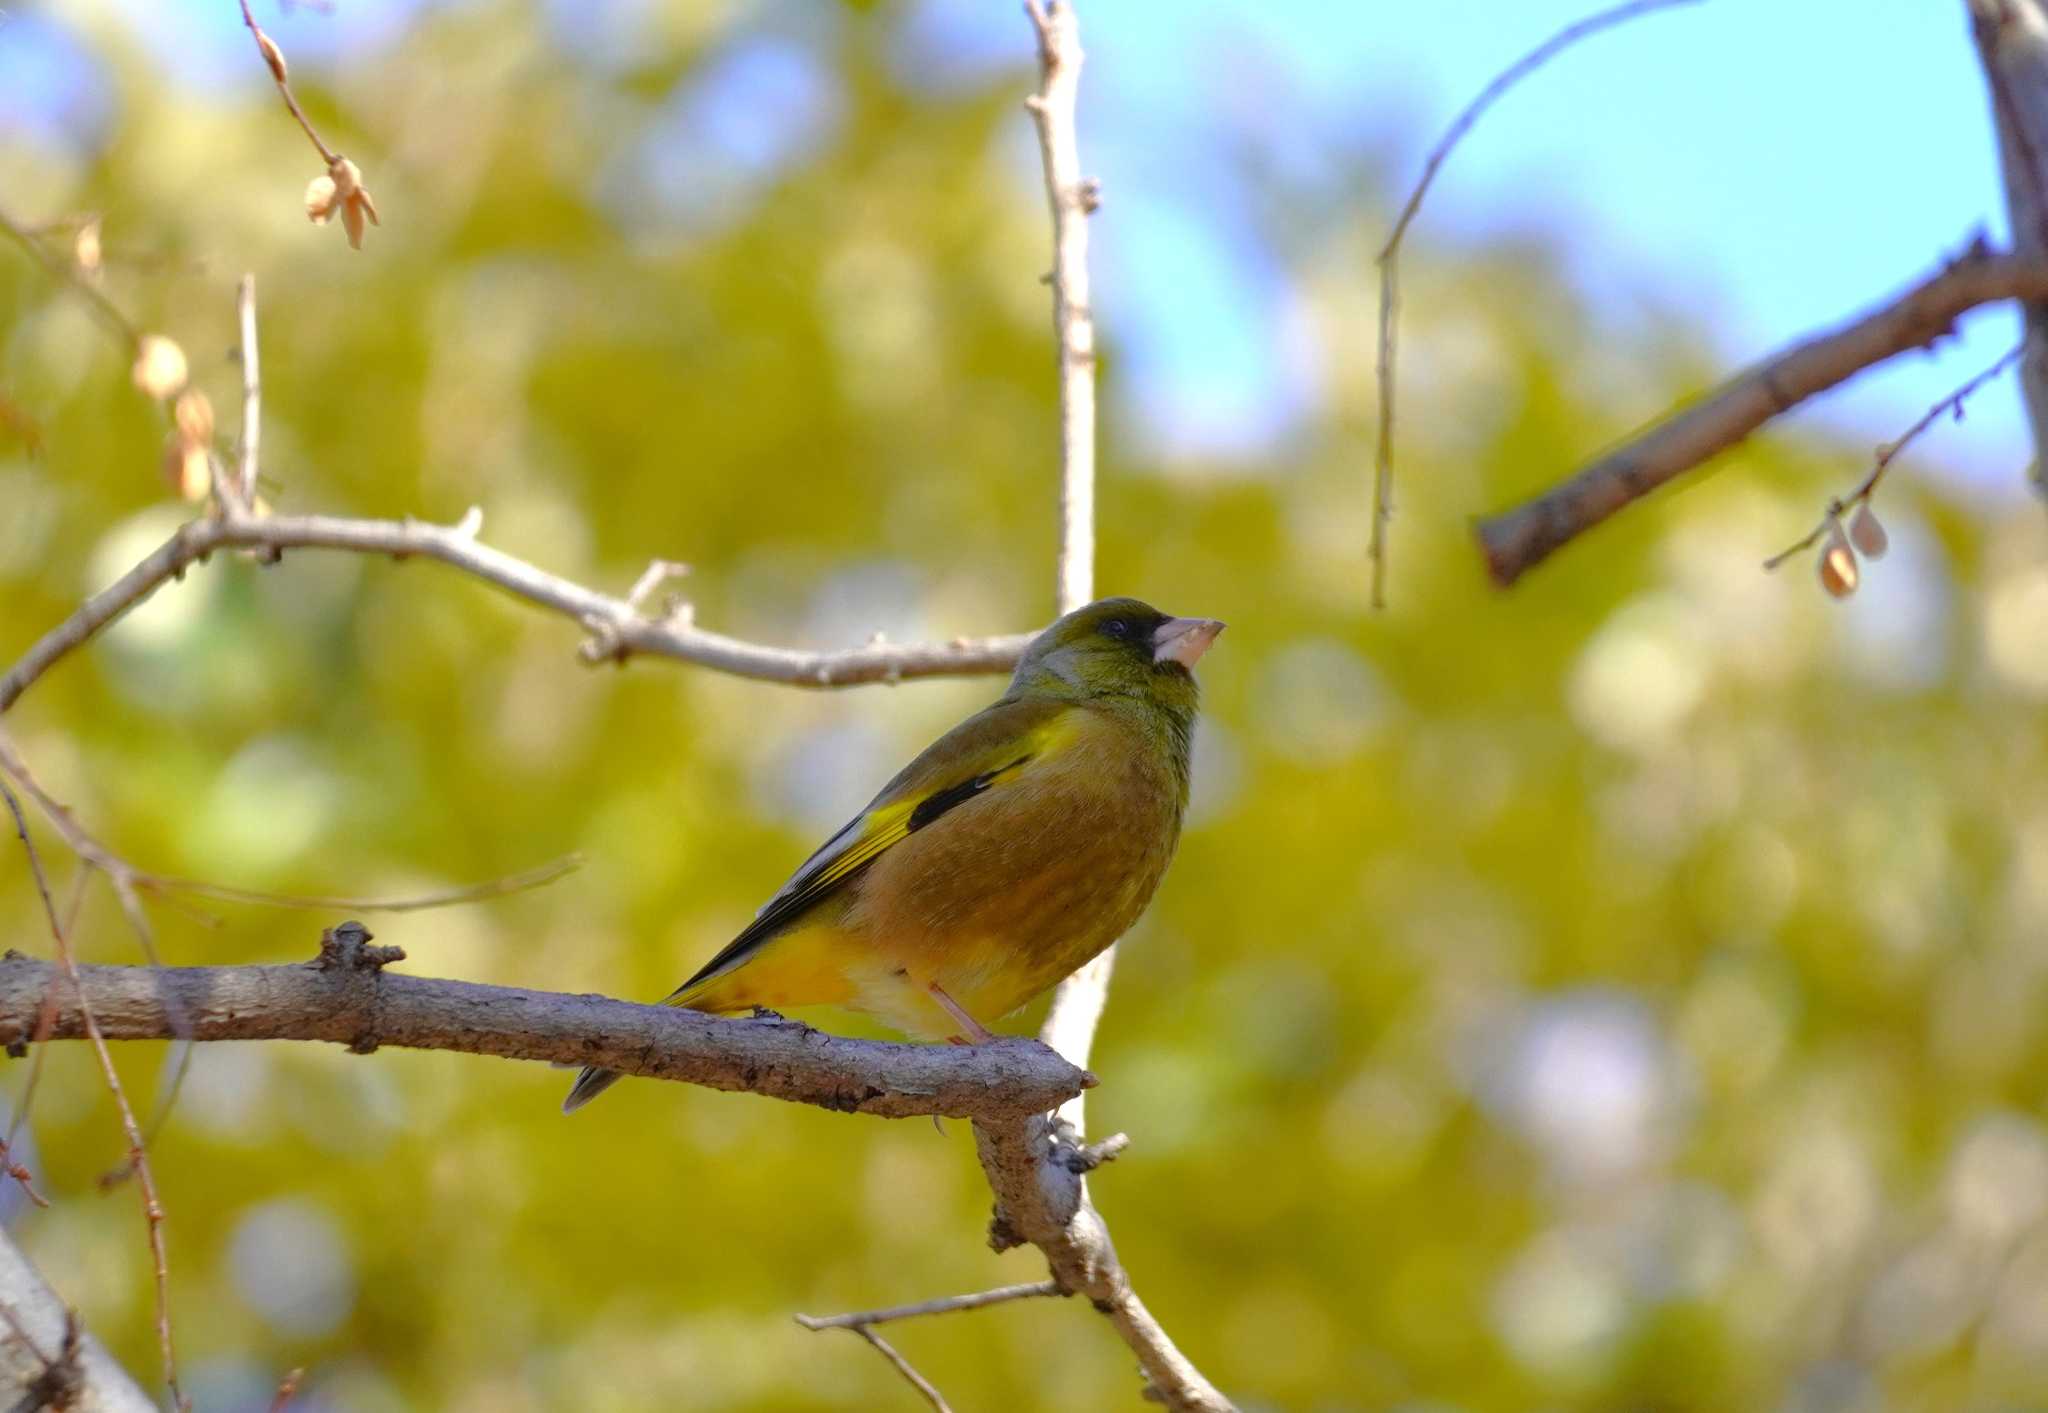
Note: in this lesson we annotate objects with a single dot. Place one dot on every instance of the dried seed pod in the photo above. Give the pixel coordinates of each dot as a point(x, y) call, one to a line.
point(159, 366)
point(1867, 533)
point(85, 247)
point(1838, 572)
point(189, 469)
point(194, 416)
point(321, 198)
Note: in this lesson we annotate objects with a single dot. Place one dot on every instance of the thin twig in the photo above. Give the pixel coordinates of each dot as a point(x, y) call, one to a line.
point(273, 59)
point(129, 881)
point(152, 1205)
point(1516, 540)
point(904, 1367)
point(109, 313)
point(1887, 453)
point(944, 1305)
point(521, 882)
point(287, 1390)
point(1390, 253)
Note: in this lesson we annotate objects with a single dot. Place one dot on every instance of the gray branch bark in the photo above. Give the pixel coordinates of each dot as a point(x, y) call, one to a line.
point(46, 1359)
point(616, 626)
point(2012, 42)
point(1038, 1173)
point(1517, 540)
point(346, 997)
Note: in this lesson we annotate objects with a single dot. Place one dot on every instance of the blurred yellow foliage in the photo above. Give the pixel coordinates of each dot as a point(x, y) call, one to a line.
point(1622, 993)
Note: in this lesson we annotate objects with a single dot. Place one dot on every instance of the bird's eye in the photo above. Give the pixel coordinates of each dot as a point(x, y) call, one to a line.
point(1117, 628)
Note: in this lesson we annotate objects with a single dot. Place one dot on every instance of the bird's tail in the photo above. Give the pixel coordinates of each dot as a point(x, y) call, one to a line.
point(591, 1083)
point(594, 1081)
point(801, 967)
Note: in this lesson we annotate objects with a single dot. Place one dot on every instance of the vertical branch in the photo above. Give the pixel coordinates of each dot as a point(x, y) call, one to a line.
point(252, 390)
point(2012, 42)
point(1072, 198)
point(1077, 1004)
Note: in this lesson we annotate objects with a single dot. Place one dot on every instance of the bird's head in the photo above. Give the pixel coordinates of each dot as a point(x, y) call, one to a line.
point(1117, 647)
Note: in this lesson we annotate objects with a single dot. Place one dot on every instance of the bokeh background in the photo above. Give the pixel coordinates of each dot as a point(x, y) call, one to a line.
point(1622, 993)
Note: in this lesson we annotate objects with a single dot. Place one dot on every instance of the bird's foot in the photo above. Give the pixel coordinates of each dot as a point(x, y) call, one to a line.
point(977, 1033)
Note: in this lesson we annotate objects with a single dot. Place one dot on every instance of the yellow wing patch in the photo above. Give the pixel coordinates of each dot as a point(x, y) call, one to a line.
point(933, 785)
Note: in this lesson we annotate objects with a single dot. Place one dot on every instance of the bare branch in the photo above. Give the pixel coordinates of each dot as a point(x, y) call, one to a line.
point(944, 1305)
point(252, 390)
point(524, 881)
point(863, 1322)
point(2012, 42)
point(1516, 540)
point(346, 997)
point(617, 631)
point(904, 1367)
point(1390, 253)
point(1032, 1167)
point(1078, 1002)
point(1035, 1168)
point(130, 881)
point(1072, 198)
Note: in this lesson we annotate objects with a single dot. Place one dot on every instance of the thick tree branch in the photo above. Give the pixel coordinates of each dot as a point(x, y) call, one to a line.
point(1517, 540)
point(617, 629)
point(346, 997)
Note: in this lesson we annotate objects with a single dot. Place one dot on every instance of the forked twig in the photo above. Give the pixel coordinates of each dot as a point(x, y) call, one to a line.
point(1887, 453)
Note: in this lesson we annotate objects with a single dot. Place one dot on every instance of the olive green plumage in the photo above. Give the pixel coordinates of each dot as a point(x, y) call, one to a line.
point(1017, 846)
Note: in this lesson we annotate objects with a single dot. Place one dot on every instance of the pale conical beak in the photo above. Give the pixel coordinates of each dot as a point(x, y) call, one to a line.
point(1184, 640)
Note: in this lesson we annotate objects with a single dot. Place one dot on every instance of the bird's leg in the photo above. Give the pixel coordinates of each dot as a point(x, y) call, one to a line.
point(977, 1033)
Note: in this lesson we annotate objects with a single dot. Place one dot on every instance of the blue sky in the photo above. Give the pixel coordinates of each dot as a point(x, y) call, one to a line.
point(1769, 166)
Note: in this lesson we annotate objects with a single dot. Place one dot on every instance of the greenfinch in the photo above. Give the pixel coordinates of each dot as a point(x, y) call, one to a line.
point(1019, 844)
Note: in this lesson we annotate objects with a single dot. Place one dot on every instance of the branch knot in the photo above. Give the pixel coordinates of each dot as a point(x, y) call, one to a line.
point(346, 948)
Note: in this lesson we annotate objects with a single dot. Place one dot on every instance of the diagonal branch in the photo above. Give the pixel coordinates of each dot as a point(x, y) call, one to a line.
point(1517, 540)
point(617, 629)
point(347, 997)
